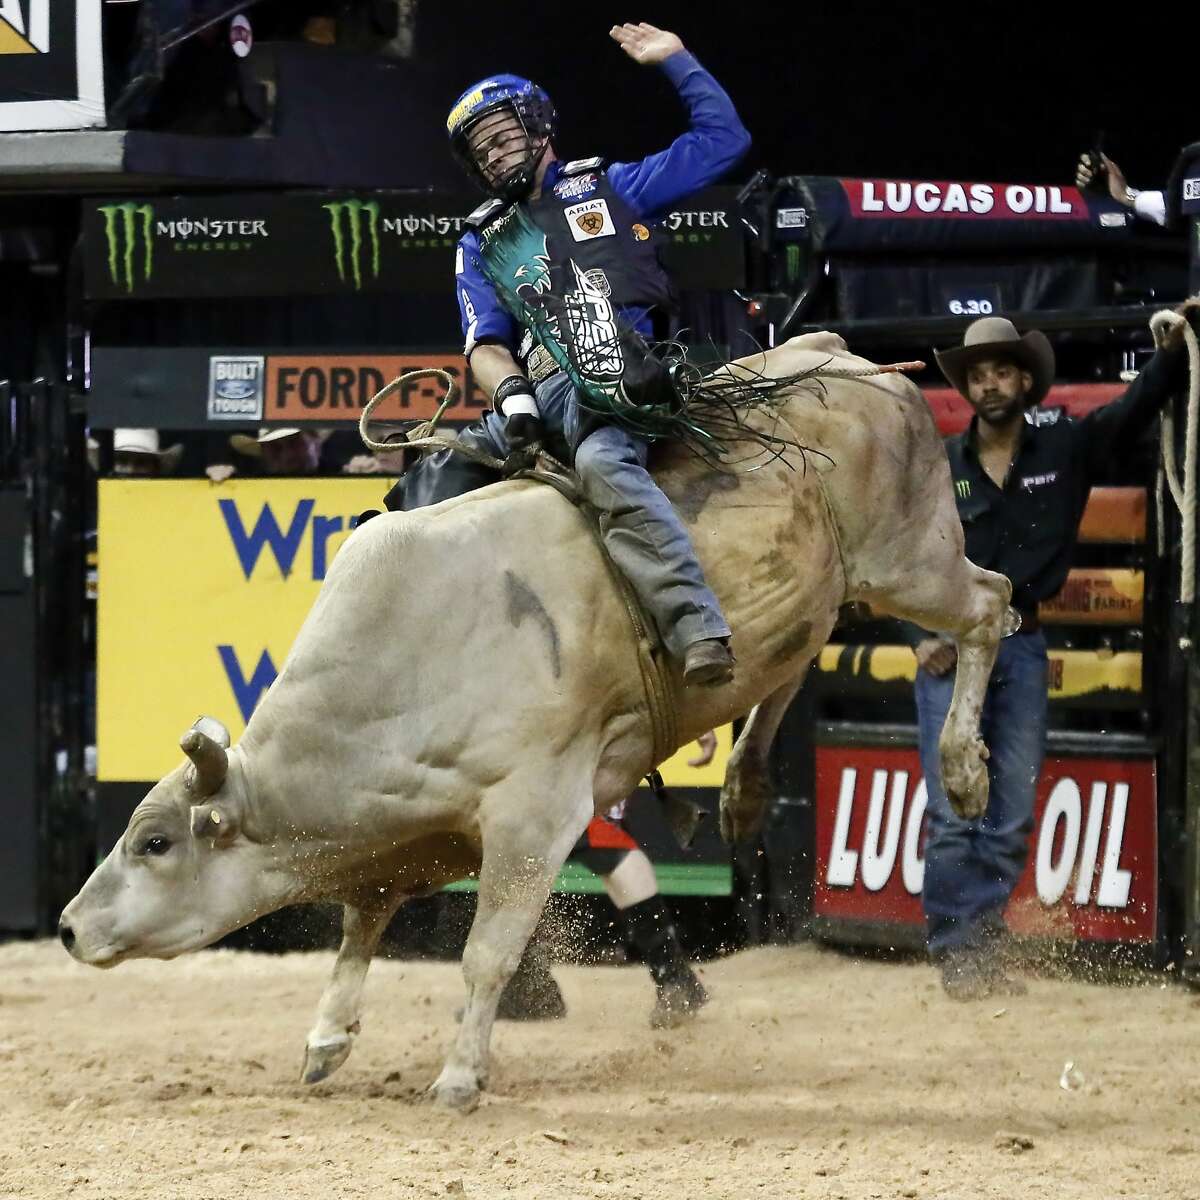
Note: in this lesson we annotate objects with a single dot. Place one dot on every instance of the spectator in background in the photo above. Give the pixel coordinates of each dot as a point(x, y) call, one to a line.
point(1150, 206)
point(282, 451)
point(136, 454)
point(1021, 481)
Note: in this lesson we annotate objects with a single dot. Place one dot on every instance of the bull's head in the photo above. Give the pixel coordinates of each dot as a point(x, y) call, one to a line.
point(176, 880)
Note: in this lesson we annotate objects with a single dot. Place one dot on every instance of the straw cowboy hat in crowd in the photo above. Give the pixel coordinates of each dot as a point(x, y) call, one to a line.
point(997, 337)
point(243, 443)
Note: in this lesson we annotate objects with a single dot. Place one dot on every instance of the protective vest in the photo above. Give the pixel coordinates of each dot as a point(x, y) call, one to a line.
point(564, 265)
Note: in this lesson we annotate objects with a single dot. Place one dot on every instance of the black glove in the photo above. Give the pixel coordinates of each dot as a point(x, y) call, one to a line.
point(523, 429)
point(513, 398)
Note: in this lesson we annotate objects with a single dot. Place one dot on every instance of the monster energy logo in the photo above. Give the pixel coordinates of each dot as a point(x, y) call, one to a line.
point(792, 260)
point(124, 226)
point(963, 488)
point(348, 237)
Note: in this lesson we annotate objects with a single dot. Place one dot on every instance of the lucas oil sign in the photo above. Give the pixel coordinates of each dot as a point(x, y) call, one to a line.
point(1092, 868)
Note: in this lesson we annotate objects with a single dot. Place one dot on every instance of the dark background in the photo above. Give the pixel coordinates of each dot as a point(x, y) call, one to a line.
point(977, 90)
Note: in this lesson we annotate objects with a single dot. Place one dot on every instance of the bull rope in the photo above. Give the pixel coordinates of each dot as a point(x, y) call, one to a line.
point(1162, 325)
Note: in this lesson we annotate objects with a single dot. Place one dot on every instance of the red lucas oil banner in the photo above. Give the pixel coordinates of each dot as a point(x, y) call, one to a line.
point(1092, 869)
point(891, 198)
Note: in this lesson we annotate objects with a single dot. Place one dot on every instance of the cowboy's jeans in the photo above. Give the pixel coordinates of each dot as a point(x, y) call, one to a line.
point(971, 867)
point(642, 531)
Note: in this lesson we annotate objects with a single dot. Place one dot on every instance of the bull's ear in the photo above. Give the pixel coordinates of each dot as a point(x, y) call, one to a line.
point(216, 822)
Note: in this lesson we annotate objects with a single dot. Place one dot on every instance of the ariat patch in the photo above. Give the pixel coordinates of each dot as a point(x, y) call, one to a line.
point(589, 220)
point(641, 233)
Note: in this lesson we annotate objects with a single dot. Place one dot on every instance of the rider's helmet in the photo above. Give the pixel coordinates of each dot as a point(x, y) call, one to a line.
point(514, 119)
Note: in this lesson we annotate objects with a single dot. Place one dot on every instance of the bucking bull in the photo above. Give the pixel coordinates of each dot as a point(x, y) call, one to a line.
point(412, 739)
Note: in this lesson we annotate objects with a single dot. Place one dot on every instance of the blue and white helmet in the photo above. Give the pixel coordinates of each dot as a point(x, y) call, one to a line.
point(514, 96)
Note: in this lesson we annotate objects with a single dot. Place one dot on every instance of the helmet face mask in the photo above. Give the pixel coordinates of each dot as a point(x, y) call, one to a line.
point(499, 131)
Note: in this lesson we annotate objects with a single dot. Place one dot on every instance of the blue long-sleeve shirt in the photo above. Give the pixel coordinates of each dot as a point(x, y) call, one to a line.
point(715, 141)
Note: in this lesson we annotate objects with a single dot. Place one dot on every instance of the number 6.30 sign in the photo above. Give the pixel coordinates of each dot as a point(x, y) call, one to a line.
point(970, 300)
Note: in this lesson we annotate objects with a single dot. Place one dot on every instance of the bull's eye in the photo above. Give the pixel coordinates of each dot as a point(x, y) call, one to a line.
point(155, 846)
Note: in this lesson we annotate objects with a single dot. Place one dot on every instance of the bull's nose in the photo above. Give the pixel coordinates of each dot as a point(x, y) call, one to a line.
point(66, 934)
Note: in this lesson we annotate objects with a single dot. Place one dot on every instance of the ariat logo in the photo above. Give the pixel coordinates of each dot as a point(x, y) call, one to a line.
point(129, 235)
point(588, 220)
point(24, 26)
point(641, 233)
point(354, 225)
point(963, 488)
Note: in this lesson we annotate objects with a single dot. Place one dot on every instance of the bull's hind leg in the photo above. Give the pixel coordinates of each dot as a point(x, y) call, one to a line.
point(524, 845)
point(747, 790)
point(332, 1036)
point(971, 605)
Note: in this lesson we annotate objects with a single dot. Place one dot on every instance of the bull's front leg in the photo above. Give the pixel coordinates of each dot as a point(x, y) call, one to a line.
point(338, 1015)
point(523, 849)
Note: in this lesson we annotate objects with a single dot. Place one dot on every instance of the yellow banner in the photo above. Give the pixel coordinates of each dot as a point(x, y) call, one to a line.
point(1073, 673)
point(202, 589)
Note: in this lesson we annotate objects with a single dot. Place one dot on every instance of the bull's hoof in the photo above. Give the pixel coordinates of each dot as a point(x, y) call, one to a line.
point(743, 808)
point(457, 1089)
point(321, 1059)
point(965, 780)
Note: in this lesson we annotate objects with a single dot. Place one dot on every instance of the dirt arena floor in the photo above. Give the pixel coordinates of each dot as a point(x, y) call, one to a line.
point(810, 1074)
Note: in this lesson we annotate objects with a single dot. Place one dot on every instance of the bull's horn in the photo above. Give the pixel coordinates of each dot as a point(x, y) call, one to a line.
point(209, 762)
point(214, 729)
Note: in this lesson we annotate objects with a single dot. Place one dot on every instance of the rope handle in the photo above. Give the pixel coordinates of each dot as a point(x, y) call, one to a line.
point(1163, 325)
point(423, 436)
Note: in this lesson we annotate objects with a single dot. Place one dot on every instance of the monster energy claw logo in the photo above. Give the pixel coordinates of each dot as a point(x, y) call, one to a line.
point(357, 215)
point(125, 225)
point(963, 488)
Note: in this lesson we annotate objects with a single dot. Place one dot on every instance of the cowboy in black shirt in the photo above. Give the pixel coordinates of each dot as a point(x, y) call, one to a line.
point(1021, 480)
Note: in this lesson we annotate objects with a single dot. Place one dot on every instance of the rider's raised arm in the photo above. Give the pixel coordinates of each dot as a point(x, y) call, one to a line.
point(716, 140)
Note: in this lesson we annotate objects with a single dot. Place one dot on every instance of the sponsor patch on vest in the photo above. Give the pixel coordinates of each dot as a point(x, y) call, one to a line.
point(1191, 189)
point(576, 187)
point(589, 220)
point(598, 282)
point(641, 233)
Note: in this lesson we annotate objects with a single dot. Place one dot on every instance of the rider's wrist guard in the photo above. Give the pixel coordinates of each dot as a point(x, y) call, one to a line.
point(517, 390)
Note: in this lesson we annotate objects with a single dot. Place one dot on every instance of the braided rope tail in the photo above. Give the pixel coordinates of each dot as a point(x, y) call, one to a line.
point(423, 436)
point(1162, 325)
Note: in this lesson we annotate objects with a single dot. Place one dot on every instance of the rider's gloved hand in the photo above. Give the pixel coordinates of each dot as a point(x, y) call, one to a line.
point(513, 399)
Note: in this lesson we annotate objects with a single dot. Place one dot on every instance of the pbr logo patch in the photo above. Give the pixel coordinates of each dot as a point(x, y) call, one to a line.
point(576, 187)
point(589, 220)
point(235, 388)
